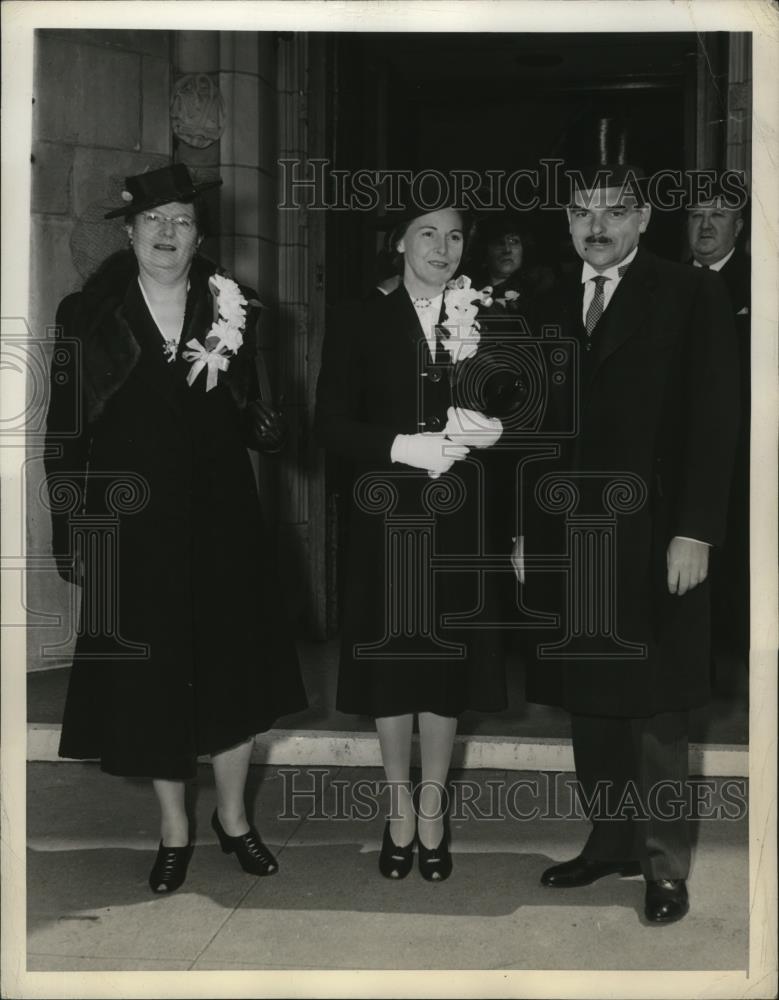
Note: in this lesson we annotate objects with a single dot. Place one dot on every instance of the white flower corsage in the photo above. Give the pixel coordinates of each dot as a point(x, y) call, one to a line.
point(461, 303)
point(510, 296)
point(225, 336)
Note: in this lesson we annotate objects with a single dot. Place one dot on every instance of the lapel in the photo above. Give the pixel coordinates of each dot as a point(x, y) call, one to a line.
point(402, 318)
point(400, 327)
point(571, 295)
point(402, 324)
point(199, 312)
point(736, 275)
point(168, 379)
point(572, 299)
point(628, 313)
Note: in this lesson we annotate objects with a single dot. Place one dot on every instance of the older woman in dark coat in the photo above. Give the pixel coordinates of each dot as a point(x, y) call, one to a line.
point(387, 404)
point(181, 651)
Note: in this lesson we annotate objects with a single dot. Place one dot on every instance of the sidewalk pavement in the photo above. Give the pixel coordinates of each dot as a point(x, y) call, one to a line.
point(92, 839)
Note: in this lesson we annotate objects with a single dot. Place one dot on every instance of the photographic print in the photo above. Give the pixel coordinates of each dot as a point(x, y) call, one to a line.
point(389, 550)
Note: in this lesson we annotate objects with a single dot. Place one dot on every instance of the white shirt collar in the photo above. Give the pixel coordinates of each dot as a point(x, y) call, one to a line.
point(588, 271)
point(719, 264)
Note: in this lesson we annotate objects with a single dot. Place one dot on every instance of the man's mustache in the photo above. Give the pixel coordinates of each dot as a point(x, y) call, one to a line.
point(598, 241)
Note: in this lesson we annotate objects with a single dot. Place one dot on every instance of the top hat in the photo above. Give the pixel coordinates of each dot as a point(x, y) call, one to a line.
point(158, 187)
point(602, 153)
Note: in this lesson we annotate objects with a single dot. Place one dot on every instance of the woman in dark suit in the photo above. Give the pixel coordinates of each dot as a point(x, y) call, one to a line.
point(180, 649)
point(387, 404)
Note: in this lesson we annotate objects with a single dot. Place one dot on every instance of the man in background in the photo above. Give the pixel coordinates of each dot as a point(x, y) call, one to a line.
point(715, 231)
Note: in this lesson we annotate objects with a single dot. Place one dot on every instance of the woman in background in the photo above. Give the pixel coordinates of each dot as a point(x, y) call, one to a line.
point(502, 258)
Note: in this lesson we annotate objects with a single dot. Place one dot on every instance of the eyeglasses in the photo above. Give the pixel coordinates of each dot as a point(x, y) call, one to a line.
point(183, 222)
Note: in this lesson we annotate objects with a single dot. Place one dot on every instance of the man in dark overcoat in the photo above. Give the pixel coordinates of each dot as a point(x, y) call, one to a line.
point(715, 231)
point(618, 531)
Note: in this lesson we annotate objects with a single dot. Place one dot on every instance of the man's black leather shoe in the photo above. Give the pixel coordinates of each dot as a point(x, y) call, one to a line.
point(581, 871)
point(666, 900)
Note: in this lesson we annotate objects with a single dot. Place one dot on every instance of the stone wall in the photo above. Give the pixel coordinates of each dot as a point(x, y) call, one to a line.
point(100, 112)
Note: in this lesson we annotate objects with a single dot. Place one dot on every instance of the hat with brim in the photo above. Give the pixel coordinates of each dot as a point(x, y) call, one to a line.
point(603, 152)
point(630, 178)
point(159, 187)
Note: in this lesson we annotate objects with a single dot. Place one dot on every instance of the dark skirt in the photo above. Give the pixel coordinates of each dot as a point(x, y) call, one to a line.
point(419, 629)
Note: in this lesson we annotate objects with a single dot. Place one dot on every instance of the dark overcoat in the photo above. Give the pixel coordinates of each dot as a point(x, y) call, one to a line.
point(737, 275)
point(730, 579)
point(413, 542)
point(653, 404)
point(182, 649)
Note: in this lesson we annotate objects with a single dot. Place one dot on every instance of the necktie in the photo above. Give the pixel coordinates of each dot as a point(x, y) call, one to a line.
point(595, 311)
point(422, 303)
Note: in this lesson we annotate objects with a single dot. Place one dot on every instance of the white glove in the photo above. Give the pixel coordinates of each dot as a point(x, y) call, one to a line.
point(472, 428)
point(433, 452)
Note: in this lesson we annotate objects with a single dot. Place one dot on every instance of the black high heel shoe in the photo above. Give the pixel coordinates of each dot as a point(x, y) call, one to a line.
point(395, 862)
point(435, 863)
point(170, 868)
point(253, 856)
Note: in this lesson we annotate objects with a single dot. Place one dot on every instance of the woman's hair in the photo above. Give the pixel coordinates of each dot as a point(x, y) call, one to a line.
point(491, 228)
point(396, 235)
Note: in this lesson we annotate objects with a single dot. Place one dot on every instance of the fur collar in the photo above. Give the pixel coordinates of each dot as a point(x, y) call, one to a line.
point(110, 349)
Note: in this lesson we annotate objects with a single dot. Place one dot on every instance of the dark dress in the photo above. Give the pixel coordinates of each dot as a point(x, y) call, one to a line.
point(182, 647)
point(413, 542)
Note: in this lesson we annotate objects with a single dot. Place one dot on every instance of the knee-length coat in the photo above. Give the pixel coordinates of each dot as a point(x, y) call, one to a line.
point(413, 542)
point(651, 405)
point(182, 649)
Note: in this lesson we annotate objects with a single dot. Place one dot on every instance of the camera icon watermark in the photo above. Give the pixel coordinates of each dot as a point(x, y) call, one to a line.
point(29, 364)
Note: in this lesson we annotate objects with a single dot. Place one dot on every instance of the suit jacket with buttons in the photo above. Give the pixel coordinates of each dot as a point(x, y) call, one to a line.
point(379, 380)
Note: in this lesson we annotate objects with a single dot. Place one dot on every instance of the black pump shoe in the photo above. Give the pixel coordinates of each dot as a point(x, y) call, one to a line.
point(253, 856)
point(435, 863)
point(395, 862)
point(170, 868)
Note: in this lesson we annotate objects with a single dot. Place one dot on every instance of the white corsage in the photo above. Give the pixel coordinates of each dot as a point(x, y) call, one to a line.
point(225, 336)
point(510, 296)
point(461, 303)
